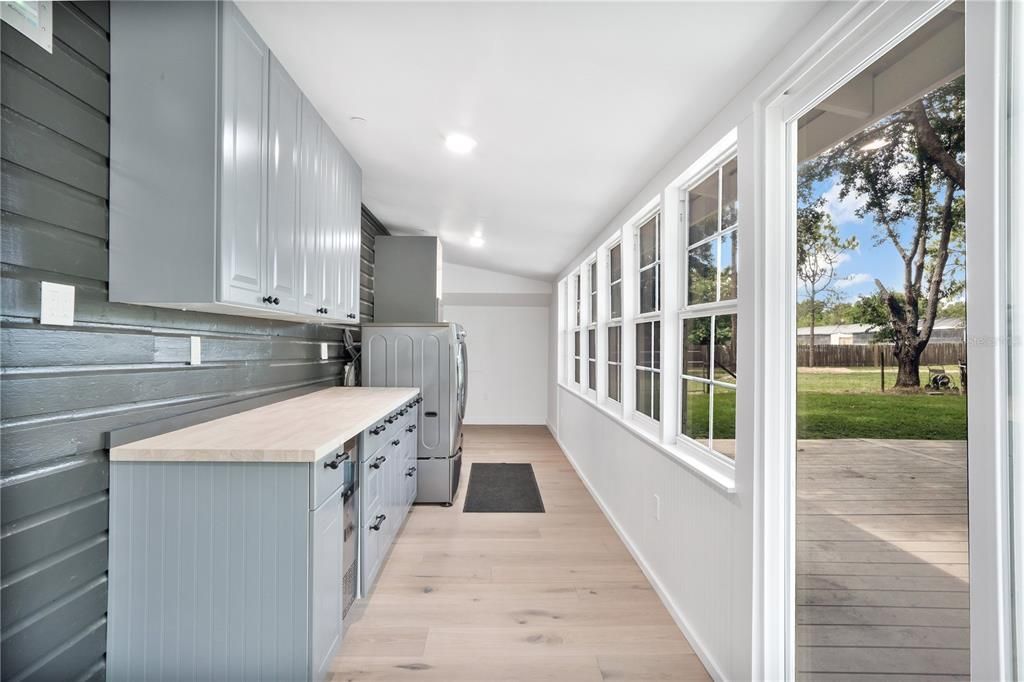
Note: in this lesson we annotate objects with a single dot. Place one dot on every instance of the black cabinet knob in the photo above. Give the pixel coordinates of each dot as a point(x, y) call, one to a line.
point(375, 464)
point(410, 472)
point(391, 420)
point(333, 464)
point(351, 316)
point(377, 430)
point(410, 428)
point(377, 522)
point(277, 301)
point(402, 412)
point(268, 299)
point(396, 442)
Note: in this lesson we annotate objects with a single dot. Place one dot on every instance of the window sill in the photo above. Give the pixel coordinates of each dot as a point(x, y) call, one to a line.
point(683, 453)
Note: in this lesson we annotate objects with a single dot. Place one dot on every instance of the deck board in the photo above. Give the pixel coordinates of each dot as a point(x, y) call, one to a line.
point(882, 564)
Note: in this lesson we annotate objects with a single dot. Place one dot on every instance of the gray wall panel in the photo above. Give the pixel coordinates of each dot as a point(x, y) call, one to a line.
point(120, 368)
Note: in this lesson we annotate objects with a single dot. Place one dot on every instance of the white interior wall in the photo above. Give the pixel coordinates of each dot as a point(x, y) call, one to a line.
point(507, 336)
point(700, 552)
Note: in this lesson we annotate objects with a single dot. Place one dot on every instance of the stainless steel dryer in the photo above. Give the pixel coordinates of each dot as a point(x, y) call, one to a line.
point(433, 358)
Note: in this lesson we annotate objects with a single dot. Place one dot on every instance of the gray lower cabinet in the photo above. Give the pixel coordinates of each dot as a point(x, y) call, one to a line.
point(387, 487)
point(228, 192)
point(224, 570)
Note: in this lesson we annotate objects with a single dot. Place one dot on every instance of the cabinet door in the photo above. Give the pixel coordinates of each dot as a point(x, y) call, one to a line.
point(309, 191)
point(327, 262)
point(283, 189)
point(352, 235)
point(242, 235)
point(325, 598)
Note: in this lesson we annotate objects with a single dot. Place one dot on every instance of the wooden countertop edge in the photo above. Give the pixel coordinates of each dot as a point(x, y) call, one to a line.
point(142, 450)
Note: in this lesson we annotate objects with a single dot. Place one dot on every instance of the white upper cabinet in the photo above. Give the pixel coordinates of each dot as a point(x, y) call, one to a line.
point(283, 198)
point(228, 191)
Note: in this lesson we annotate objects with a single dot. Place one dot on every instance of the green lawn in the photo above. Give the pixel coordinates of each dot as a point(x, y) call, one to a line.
point(847, 404)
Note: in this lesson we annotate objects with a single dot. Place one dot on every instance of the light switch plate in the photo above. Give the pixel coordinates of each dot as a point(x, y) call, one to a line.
point(57, 304)
point(323, 351)
point(195, 350)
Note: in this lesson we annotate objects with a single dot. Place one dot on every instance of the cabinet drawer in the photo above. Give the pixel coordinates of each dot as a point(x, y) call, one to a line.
point(327, 474)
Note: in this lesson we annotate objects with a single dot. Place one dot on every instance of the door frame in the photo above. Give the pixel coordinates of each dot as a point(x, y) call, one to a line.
point(866, 31)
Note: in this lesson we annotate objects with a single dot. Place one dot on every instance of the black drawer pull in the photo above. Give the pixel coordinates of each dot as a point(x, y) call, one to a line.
point(377, 522)
point(377, 430)
point(402, 412)
point(410, 428)
point(375, 464)
point(333, 464)
point(411, 471)
point(351, 316)
point(396, 442)
point(391, 419)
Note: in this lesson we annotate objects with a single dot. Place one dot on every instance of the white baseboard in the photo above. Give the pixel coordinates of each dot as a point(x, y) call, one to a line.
point(677, 615)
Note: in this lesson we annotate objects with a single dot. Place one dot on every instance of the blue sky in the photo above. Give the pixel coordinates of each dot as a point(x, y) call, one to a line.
point(860, 267)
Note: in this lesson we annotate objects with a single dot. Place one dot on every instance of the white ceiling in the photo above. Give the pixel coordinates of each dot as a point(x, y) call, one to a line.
point(575, 106)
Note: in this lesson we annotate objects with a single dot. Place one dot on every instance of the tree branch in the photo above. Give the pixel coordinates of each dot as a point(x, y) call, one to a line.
point(929, 142)
point(939, 266)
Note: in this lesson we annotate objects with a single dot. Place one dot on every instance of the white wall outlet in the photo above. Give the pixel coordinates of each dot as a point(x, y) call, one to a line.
point(657, 508)
point(195, 350)
point(323, 351)
point(57, 304)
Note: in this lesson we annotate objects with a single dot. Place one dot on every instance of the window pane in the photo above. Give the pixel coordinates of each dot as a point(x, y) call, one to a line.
point(695, 400)
point(577, 374)
point(729, 191)
point(593, 277)
point(614, 338)
point(656, 398)
point(578, 294)
point(701, 274)
point(649, 242)
point(591, 343)
point(649, 289)
point(613, 382)
point(643, 391)
point(616, 301)
point(725, 348)
point(703, 209)
point(656, 343)
point(723, 431)
point(615, 263)
point(592, 374)
point(728, 271)
point(696, 359)
point(577, 334)
point(643, 344)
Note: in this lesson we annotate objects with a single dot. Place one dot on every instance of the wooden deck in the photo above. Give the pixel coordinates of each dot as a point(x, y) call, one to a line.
point(482, 597)
point(882, 572)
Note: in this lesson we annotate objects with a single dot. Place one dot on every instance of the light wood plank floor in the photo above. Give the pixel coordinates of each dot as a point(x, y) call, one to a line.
point(482, 597)
point(882, 572)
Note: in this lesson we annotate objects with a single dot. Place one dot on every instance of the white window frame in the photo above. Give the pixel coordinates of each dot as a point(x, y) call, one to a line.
point(653, 211)
point(716, 165)
point(575, 330)
point(590, 326)
point(856, 40)
point(610, 322)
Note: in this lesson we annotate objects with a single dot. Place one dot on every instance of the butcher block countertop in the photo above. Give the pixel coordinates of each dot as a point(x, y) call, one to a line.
point(302, 429)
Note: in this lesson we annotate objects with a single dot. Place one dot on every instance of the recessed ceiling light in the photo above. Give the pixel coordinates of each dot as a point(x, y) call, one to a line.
point(476, 241)
point(875, 144)
point(458, 143)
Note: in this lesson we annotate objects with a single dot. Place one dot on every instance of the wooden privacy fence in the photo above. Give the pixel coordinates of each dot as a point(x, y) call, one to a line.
point(826, 355)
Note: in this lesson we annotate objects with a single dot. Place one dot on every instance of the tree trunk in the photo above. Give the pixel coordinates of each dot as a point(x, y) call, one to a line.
point(908, 367)
point(811, 362)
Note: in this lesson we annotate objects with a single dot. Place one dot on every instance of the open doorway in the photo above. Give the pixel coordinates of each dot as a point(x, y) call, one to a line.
point(882, 583)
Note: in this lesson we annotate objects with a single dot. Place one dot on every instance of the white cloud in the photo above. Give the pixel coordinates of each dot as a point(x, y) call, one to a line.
point(855, 279)
point(842, 210)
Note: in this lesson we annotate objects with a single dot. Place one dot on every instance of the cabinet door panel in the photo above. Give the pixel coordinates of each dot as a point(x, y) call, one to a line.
point(245, 60)
point(309, 191)
point(325, 628)
point(352, 234)
point(283, 188)
point(328, 223)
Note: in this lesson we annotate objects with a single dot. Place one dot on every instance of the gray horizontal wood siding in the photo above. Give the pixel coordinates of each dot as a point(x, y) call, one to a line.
point(372, 228)
point(64, 389)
